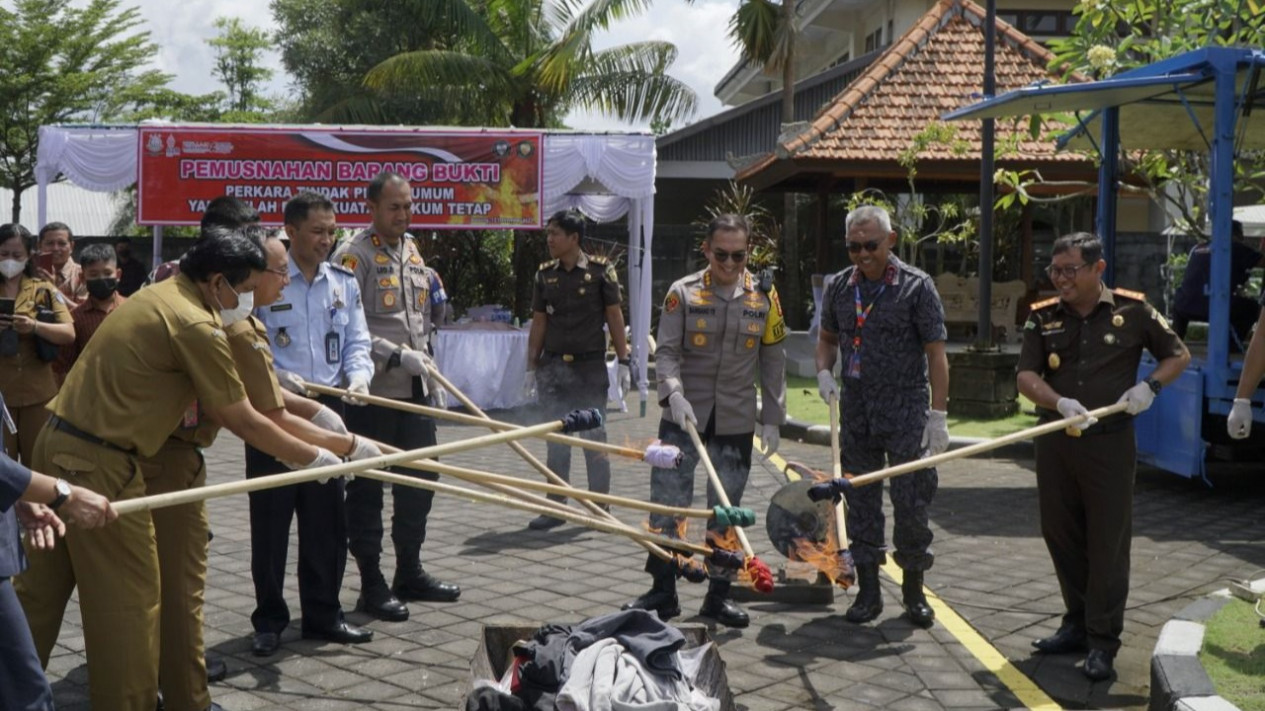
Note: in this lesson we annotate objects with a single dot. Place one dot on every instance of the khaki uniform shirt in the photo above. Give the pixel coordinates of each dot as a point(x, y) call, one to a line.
point(1094, 359)
point(574, 303)
point(158, 352)
point(26, 379)
point(395, 289)
point(713, 342)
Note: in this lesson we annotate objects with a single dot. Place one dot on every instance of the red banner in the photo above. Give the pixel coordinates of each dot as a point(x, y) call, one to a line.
point(459, 180)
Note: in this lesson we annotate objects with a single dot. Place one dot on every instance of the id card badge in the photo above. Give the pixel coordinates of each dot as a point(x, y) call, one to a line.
point(190, 419)
point(853, 369)
point(333, 348)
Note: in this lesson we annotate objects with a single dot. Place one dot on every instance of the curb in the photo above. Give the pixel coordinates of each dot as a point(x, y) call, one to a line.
point(1178, 679)
point(820, 435)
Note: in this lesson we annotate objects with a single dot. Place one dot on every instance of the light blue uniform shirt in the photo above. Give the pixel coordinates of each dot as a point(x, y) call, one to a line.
point(318, 330)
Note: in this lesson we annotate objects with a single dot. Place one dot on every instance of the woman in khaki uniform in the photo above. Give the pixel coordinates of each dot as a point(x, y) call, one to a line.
point(27, 380)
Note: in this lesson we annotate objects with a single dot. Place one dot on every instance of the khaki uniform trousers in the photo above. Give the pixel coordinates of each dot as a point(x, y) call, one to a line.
point(29, 420)
point(181, 534)
point(116, 570)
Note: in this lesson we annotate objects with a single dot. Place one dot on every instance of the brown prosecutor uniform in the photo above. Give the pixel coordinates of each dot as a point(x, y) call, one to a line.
point(127, 392)
point(571, 371)
point(1085, 483)
point(27, 381)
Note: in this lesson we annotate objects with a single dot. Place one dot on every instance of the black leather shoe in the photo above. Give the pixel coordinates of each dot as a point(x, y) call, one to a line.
point(1098, 665)
point(1067, 639)
point(266, 644)
point(216, 669)
point(378, 602)
point(544, 523)
point(425, 587)
point(664, 604)
point(724, 611)
point(341, 633)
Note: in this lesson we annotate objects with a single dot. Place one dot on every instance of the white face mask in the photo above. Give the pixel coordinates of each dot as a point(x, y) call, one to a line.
point(245, 304)
point(12, 267)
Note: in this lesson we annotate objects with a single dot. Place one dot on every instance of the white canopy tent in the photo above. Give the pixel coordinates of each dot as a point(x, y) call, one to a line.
point(606, 176)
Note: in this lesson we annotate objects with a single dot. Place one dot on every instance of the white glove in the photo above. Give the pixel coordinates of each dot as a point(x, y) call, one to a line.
point(771, 436)
point(1137, 398)
point(292, 382)
point(438, 396)
point(324, 458)
point(362, 448)
point(416, 362)
point(826, 385)
point(625, 380)
point(1239, 425)
point(359, 385)
point(935, 435)
point(329, 420)
point(529, 385)
point(681, 409)
point(1068, 407)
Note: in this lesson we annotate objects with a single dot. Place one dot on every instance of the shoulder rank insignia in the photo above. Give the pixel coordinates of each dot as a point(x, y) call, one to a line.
point(1043, 304)
point(549, 264)
point(598, 259)
point(1139, 296)
point(349, 260)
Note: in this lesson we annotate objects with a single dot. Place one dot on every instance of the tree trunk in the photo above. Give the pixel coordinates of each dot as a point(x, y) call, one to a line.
point(16, 212)
point(790, 221)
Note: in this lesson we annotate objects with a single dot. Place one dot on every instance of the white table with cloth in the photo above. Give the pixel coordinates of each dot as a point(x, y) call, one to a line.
point(488, 361)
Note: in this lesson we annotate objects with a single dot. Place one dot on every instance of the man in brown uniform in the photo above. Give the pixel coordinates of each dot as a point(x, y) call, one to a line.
point(129, 389)
point(574, 297)
point(395, 288)
point(1080, 351)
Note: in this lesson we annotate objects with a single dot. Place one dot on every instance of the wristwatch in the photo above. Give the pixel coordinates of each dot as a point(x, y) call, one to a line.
point(63, 493)
point(1154, 384)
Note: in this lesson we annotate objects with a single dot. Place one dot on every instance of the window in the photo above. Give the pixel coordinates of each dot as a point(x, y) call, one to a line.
point(1040, 23)
point(874, 40)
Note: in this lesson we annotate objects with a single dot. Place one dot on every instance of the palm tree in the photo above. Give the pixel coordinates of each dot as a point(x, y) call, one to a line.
point(526, 63)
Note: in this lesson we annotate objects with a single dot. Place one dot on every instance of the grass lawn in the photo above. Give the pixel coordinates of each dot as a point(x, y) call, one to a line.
point(1234, 655)
point(803, 403)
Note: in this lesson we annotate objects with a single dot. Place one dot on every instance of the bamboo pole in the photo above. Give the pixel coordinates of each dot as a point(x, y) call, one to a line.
point(616, 527)
point(715, 480)
point(841, 524)
point(539, 466)
point(203, 493)
point(980, 447)
point(484, 421)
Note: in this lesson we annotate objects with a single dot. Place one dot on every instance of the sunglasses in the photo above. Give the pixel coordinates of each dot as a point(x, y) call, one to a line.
point(738, 257)
point(1065, 272)
point(870, 246)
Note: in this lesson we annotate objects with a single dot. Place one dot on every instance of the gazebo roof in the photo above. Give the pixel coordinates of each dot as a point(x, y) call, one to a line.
point(935, 67)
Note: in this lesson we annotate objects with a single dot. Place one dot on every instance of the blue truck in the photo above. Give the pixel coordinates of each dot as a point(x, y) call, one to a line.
point(1204, 100)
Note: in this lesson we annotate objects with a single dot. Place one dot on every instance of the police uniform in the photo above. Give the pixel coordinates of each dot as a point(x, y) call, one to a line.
point(129, 390)
point(396, 289)
point(26, 380)
point(883, 402)
point(22, 681)
point(715, 344)
point(1085, 481)
point(317, 331)
point(571, 370)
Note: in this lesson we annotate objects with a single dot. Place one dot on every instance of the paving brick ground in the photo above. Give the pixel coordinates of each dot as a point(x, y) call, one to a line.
point(991, 567)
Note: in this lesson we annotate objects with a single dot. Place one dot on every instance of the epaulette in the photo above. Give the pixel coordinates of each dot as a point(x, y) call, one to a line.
point(596, 259)
point(548, 265)
point(1129, 294)
point(1042, 304)
point(340, 268)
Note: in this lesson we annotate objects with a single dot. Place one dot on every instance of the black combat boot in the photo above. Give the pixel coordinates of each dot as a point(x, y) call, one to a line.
point(869, 602)
point(718, 606)
point(661, 599)
point(375, 597)
point(916, 607)
point(412, 582)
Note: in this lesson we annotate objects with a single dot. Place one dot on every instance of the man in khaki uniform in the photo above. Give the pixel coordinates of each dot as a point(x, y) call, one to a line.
point(395, 289)
point(129, 389)
point(719, 334)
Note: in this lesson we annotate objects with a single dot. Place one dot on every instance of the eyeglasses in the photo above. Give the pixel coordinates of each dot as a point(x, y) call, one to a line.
point(870, 246)
point(1065, 272)
point(738, 257)
point(283, 273)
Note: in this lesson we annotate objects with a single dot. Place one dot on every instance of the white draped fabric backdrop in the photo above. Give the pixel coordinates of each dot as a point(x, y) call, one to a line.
point(606, 176)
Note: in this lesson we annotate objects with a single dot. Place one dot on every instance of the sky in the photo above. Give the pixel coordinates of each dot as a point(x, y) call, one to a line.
point(698, 30)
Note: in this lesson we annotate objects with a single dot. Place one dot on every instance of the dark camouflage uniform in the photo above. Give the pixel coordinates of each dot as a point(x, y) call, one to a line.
point(1085, 482)
point(883, 412)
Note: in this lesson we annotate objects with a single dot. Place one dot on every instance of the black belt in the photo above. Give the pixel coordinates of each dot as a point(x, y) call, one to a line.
point(577, 357)
point(61, 425)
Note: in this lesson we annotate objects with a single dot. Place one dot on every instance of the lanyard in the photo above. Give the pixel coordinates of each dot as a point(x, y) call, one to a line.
point(863, 314)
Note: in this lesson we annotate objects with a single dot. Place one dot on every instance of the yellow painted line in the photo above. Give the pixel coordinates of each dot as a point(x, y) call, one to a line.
point(1026, 690)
